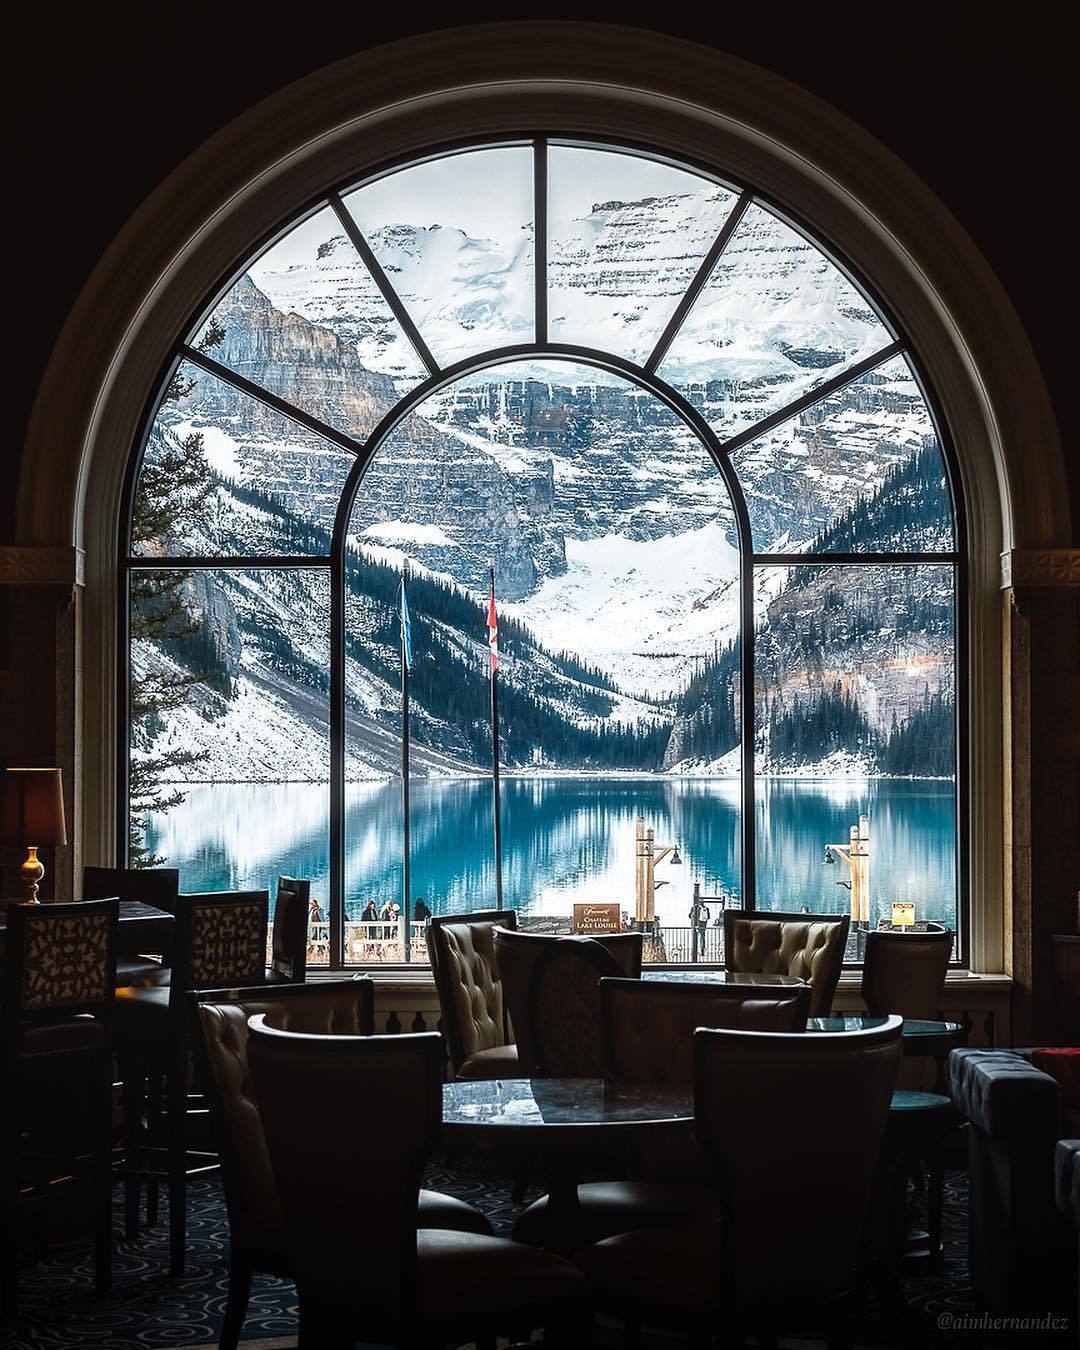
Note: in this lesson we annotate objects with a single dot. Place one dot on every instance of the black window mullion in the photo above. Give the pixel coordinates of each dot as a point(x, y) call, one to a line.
point(337, 755)
point(389, 294)
point(798, 405)
point(699, 282)
point(748, 717)
point(202, 563)
point(540, 239)
point(264, 396)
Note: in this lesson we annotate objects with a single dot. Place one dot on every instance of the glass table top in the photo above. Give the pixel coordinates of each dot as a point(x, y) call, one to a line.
point(714, 976)
point(564, 1103)
point(913, 1028)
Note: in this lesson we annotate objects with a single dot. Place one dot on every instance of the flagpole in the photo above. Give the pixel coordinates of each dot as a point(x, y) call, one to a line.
point(406, 940)
point(495, 805)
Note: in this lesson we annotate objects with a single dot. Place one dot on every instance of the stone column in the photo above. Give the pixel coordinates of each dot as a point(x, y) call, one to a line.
point(1041, 590)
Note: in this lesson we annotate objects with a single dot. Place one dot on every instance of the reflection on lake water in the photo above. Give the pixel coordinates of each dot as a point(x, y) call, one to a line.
point(567, 839)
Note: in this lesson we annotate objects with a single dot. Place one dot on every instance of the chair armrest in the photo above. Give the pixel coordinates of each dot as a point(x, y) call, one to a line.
point(1067, 1177)
point(1004, 1094)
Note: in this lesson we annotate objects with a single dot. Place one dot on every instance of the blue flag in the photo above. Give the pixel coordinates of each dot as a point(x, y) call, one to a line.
point(406, 629)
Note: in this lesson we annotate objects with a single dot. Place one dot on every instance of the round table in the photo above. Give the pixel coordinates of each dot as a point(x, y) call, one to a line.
point(918, 1036)
point(562, 1118)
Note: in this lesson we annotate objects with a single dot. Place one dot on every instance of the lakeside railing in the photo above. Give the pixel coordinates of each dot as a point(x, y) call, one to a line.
point(379, 942)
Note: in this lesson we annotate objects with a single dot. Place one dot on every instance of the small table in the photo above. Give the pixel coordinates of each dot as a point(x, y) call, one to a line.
point(918, 1037)
point(563, 1117)
point(710, 975)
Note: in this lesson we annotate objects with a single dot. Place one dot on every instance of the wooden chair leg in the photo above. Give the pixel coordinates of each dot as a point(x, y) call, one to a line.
point(153, 1121)
point(101, 1165)
point(132, 1096)
point(236, 1306)
point(176, 1108)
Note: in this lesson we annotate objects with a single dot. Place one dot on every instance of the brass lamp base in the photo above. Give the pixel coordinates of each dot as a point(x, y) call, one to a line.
point(32, 870)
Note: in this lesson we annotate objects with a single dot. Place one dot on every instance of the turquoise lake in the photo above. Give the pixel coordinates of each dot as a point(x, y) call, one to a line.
point(567, 839)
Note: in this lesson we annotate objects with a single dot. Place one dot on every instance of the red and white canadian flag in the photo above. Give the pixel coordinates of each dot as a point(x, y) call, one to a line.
point(493, 629)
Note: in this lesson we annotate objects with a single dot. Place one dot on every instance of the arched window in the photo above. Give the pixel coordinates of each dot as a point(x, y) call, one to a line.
point(702, 463)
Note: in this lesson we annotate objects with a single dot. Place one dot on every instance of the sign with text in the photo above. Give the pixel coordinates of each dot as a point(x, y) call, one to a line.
point(600, 918)
point(903, 914)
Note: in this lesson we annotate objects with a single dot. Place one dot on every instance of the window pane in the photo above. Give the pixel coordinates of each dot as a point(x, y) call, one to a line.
point(224, 475)
point(617, 593)
point(861, 471)
point(775, 319)
point(229, 729)
point(308, 322)
point(856, 716)
point(455, 238)
point(626, 237)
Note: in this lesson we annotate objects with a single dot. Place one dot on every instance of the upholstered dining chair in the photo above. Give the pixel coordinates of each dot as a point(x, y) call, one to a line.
point(157, 886)
point(647, 1031)
point(516, 955)
point(219, 941)
point(469, 985)
point(768, 1108)
point(58, 976)
point(257, 1239)
point(904, 972)
point(564, 1007)
point(809, 946)
point(391, 1281)
point(292, 906)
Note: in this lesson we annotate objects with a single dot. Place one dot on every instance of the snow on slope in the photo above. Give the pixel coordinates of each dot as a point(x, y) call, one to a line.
point(643, 610)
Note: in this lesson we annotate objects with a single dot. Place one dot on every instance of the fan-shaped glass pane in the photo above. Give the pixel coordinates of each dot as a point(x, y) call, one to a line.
point(307, 322)
point(859, 472)
point(223, 475)
point(617, 590)
point(855, 680)
point(455, 238)
point(775, 319)
point(230, 680)
point(626, 236)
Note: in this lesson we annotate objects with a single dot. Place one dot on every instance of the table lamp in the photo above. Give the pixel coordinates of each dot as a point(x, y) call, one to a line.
point(32, 809)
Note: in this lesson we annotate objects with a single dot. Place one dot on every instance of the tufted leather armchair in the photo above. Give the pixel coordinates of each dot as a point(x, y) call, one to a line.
point(1022, 1252)
point(257, 1238)
point(808, 946)
point(470, 989)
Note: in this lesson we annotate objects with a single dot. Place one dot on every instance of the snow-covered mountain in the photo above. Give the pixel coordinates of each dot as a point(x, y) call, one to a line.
point(607, 521)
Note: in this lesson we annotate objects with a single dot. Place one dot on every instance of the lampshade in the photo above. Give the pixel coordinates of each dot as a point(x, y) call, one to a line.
point(32, 807)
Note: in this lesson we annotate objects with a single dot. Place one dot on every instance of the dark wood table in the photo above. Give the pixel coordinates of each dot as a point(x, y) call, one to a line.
point(141, 930)
point(562, 1119)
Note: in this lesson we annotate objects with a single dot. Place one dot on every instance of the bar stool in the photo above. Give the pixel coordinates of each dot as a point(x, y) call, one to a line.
point(58, 979)
point(220, 942)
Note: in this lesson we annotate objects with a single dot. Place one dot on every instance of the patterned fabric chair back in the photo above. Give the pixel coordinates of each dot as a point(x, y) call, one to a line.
point(60, 961)
point(157, 886)
point(220, 942)
point(291, 907)
point(564, 1008)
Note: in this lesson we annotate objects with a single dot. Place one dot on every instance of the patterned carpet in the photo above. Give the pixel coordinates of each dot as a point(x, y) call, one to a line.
point(147, 1310)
